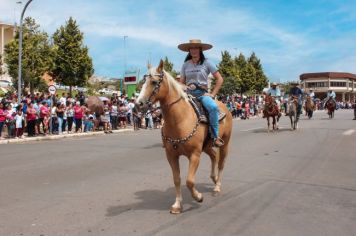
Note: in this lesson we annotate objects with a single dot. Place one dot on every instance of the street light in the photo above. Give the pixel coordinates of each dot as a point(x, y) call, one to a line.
point(19, 82)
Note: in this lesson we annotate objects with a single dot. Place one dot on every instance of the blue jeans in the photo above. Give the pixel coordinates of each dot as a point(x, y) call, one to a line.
point(210, 105)
point(1, 125)
point(60, 124)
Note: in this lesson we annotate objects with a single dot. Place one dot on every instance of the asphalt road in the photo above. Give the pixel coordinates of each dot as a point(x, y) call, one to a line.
point(282, 183)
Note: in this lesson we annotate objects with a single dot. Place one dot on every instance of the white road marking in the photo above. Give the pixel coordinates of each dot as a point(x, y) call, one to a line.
point(348, 132)
point(246, 130)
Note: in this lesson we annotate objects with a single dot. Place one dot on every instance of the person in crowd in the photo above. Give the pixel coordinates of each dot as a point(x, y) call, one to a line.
point(54, 120)
point(31, 120)
point(88, 119)
point(130, 106)
point(136, 118)
point(113, 115)
point(122, 115)
point(44, 116)
point(60, 114)
point(78, 116)
point(70, 115)
point(148, 117)
point(19, 123)
point(2, 118)
point(10, 121)
point(63, 99)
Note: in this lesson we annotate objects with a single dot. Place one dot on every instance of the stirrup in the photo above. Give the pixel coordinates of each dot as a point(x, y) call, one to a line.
point(218, 142)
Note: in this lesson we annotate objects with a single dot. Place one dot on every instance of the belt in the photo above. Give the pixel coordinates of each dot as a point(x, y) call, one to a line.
point(196, 86)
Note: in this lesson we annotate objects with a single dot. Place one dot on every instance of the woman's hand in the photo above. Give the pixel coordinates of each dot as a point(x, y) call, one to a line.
point(209, 94)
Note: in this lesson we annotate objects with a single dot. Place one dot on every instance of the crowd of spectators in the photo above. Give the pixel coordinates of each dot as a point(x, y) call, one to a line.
point(41, 114)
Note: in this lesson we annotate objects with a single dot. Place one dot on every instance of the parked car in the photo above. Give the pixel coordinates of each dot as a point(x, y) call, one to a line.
point(106, 91)
point(5, 84)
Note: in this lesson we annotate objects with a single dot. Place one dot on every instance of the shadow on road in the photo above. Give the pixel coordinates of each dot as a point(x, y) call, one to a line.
point(160, 200)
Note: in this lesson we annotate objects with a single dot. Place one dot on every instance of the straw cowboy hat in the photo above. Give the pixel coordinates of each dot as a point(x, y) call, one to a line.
point(194, 43)
point(274, 84)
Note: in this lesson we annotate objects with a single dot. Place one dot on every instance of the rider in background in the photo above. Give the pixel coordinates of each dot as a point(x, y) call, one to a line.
point(330, 95)
point(276, 94)
point(297, 92)
point(311, 94)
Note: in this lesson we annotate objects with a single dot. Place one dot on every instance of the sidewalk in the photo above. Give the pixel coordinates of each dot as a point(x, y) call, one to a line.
point(61, 136)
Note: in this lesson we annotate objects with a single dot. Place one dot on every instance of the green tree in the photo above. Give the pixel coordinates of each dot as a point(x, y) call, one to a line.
point(72, 64)
point(247, 74)
point(226, 65)
point(260, 80)
point(168, 66)
point(36, 56)
point(229, 87)
point(227, 71)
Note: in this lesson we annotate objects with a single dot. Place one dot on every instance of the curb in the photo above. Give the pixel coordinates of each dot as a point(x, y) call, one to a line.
point(62, 136)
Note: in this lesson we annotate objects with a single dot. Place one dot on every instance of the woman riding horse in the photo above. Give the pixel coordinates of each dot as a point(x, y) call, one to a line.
point(182, 132)
point(194, 74)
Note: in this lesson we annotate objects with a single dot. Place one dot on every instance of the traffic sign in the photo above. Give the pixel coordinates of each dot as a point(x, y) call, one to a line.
point(52, 89)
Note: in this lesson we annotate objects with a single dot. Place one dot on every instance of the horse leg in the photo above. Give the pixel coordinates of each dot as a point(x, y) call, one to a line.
point(173, 160)
point(214, 162)
point(291, 122)
point(193, 166)
point(223, 151)
point(268, 124)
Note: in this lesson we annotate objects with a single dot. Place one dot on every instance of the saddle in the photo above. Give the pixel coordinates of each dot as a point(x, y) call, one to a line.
point(201, 112)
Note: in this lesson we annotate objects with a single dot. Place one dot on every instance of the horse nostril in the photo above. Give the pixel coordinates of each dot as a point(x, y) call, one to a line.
point(141, 104)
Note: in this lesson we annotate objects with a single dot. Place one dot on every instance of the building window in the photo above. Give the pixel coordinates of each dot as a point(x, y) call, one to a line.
point(316, 84)
point(337, 84)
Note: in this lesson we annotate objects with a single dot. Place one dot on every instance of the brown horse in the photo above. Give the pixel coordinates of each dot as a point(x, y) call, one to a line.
point(331, 106)
point(271, 110)
point(182, 134)
point(309, 107)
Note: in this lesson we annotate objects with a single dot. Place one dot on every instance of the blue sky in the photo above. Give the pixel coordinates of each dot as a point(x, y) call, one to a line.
point(290, 37)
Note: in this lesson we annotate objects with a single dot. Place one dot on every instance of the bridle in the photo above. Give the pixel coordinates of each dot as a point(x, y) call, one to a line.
point(156, 88)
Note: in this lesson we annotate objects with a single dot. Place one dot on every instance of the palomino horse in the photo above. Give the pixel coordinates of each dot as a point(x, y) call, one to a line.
point(309, 107)
point(293, 112)
point(331, 105)
point(271, 110)
point(183, 134)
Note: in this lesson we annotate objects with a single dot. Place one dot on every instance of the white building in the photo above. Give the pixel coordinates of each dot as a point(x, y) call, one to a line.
point(7, 34)
point(343, 84)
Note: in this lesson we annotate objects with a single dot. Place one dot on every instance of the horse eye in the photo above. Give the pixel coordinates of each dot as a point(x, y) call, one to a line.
point(154, 82)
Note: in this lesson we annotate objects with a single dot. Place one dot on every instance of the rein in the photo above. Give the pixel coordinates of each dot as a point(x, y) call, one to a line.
point(174, 141)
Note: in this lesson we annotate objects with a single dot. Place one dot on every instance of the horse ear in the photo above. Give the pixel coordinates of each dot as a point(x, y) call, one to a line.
point(160, 67)
point(149, 66)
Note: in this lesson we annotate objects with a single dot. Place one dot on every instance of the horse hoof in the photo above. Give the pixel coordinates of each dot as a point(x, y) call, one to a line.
point(199, 199)
point(216, 193)
point(175, 210)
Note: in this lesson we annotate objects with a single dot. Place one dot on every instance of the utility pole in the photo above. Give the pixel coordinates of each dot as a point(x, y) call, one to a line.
point(19, 82)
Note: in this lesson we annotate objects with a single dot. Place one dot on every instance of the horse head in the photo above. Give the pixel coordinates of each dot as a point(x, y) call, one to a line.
point(155, 86)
